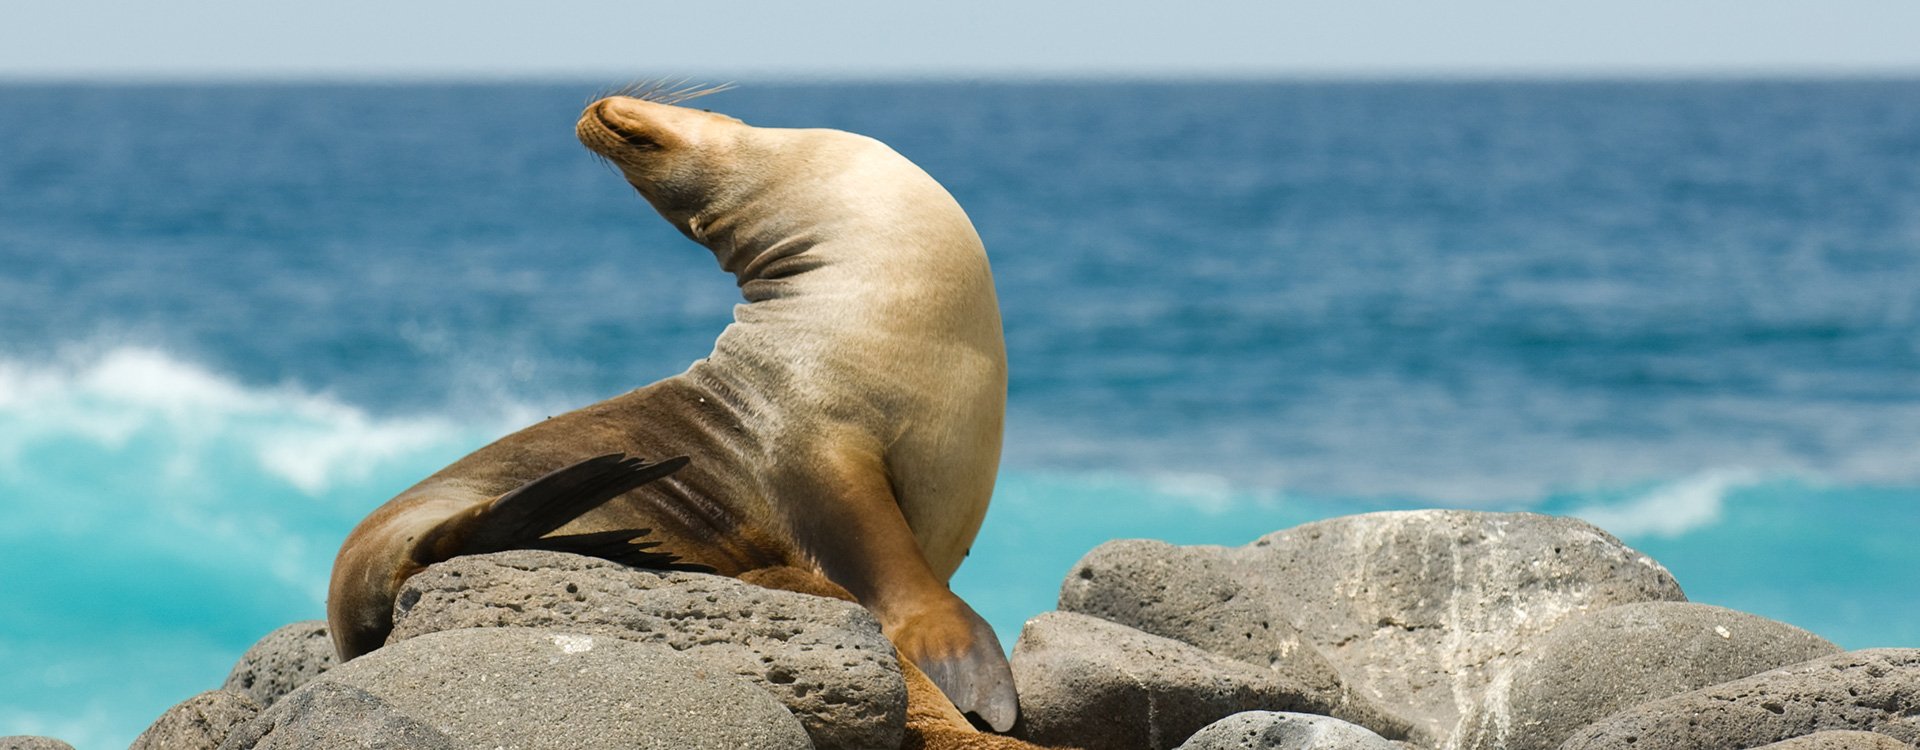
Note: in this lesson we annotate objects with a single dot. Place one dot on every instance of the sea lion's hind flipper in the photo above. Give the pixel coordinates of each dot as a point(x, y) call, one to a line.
point(625, 546)
point(520, 517)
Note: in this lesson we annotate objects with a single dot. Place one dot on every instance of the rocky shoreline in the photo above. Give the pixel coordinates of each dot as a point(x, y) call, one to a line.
point(1442, 630)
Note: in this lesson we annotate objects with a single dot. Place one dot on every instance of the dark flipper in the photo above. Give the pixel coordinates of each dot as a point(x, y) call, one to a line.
point(521, 518)
point(977, 679)
point(367, 577)
point(625, 546)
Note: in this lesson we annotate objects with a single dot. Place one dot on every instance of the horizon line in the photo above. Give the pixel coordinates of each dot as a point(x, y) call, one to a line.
point(843, 77)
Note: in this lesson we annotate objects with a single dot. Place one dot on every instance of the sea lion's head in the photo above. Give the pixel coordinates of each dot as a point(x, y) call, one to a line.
point(741, 190)
point(676, 157)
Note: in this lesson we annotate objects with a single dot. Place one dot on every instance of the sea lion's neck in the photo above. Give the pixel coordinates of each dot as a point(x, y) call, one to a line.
point(769, 250)
point(872, 267)
point(874, 233)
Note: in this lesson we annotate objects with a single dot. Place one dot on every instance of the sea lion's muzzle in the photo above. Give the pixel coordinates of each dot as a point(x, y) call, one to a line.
point(617, 127)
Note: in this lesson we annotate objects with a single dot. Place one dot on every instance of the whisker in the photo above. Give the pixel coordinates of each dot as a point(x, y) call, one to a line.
point(666, 90)
point(688, 93)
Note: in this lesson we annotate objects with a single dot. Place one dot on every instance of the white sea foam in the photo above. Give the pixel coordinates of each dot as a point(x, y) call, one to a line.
point(141, 450)
point(1671, 509)
point(130, 476)
point(1208, 493)
point(310, 441)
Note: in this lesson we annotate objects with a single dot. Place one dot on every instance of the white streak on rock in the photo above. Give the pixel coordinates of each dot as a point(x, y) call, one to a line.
point(573, 644)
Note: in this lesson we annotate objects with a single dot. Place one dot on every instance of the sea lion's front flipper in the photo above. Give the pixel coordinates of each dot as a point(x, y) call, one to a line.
point(960, 653)
point(933, 723)
point(519, 518)
point(845, 516)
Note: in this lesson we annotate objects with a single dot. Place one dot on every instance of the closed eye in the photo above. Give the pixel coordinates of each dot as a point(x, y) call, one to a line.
point(632, 138)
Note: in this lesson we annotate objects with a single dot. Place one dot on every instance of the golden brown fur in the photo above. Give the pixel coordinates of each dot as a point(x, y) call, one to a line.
point(848, 421)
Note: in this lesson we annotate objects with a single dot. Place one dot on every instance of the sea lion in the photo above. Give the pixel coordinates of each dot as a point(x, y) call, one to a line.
point(848, 421)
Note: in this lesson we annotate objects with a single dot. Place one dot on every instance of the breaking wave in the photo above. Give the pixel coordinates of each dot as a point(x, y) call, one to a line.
point(170, 514)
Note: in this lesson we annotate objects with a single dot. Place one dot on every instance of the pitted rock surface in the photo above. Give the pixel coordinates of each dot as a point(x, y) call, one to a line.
point(1593, 666)
point(1416, 610)
point(1876, 690)
point(335, 716)
point(199, 723)
point(1270, 730)
point(534, 689)
point(1839, 739)
point(283, 660)
point(825, 659)
point(27, 742)
point(1089, 683)
point(1192, 595)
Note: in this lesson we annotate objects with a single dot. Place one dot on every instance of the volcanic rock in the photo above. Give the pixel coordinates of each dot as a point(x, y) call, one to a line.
point(337, 717)
point(1090, 683)
point(1593, 666)
point(1417, 611)
point(1267, 730)
point(283, 660)
point(27, 742)
point(550, 690)
point(825, 659)
point(1876, 690)
point(198, 723)
point(1839, 739)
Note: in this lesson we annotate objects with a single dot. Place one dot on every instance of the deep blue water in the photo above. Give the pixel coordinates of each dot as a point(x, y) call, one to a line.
point(235, 318)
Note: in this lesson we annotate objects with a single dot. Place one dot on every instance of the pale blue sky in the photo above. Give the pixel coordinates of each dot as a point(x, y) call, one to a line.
point(875, 39)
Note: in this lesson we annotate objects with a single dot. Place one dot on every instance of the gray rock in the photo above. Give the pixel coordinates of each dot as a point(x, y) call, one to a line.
point(1093, 684)
point(1268, 730)
point(825, 659)
point(1417, 611)
point(198, 723)
point(533, 689)
point(337, 717)
point(283, 660)
point(25, 742)
point(1839, 739)
point(1607, 661)
point(1194, 595)
point(1877, 690)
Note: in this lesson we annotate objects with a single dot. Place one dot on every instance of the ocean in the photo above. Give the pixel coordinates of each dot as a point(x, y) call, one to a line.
point(235, 318)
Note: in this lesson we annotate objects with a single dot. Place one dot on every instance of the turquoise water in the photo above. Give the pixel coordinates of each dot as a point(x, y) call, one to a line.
point(233, 319)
